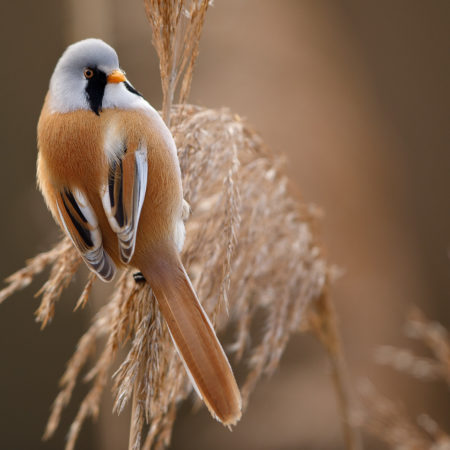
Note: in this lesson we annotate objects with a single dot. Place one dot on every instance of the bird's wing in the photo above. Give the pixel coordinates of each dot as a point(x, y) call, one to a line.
point(80, 222)
point(123, 195)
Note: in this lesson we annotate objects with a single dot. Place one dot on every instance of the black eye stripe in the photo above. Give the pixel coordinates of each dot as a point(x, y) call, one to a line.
point(95, 89)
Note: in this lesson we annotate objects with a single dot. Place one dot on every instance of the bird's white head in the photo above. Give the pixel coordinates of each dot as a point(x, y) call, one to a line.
point(88, 76)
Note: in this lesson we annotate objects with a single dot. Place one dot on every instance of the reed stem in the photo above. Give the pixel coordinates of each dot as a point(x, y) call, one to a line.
point(134, 420)
point(324, 324)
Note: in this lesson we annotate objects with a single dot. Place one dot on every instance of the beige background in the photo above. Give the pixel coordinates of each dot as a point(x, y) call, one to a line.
point(356, 94)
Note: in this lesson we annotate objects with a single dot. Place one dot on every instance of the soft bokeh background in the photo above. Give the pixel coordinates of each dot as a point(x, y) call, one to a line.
point(356, 94)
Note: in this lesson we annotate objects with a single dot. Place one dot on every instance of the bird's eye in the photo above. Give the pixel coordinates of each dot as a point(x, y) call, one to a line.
point(88, 73)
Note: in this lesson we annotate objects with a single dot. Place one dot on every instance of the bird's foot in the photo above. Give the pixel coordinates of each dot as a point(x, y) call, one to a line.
point(139, 277)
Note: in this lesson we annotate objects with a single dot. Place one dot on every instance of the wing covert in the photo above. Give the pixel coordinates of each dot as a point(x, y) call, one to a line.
point(123, 196)
point(80, 223)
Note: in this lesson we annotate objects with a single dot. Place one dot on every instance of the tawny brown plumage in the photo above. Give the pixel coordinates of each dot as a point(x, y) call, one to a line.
point(71, 154)
point(75, 171)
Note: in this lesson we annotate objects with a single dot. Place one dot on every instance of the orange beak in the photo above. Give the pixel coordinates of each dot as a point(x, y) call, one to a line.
point(116, 76)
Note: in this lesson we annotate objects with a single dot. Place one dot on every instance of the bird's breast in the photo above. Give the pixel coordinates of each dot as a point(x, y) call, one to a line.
point(70, 145)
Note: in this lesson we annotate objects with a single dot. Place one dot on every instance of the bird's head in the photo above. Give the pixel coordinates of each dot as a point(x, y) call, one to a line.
point(88, 76)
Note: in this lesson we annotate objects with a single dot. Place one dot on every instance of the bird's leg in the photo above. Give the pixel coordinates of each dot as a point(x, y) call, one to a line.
point(139, 277)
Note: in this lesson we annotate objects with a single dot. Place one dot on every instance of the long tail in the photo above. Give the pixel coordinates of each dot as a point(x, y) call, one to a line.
point(194, 336)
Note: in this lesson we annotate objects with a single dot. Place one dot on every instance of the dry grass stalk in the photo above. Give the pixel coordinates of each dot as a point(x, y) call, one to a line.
point(81, 303)
point(321, 320)
point(434, 336)
point(176, 28)
point(238, 201)
point(237, 204)
point(22, 278)
point(65, 262)
point(388, 420)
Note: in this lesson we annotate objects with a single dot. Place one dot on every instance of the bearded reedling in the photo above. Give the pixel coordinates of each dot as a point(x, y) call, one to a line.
point(109, 172)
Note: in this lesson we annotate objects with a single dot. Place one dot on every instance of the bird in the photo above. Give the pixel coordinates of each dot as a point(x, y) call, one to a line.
point(108, 169)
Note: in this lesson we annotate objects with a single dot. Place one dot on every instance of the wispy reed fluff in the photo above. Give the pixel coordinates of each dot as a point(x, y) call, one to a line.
point(251, 248)
point(387, 419)
point(176, 29)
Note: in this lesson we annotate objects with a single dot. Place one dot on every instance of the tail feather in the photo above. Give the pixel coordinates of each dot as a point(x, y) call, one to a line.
point(195, 339)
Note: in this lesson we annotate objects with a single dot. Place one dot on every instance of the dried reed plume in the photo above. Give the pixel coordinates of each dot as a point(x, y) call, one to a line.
point(251, 248)
point(434, 336)
point(387, 419)
point(176, 30)
point(238, 195)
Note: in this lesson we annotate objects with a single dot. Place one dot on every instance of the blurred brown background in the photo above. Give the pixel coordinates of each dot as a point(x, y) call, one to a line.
point(356, 94)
